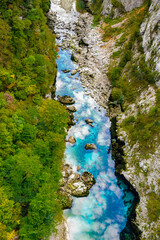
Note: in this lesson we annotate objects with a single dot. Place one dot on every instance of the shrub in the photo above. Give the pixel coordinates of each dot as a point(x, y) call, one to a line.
point(80, 6)
point(117, 95)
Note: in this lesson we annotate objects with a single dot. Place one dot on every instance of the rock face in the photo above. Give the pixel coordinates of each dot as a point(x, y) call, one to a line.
point(74, 184)
point(129, 5)
point(90, 146)
point(108, 6)
point(88, 179)
point(78, 188)
point(66, 100)
point(150, 31)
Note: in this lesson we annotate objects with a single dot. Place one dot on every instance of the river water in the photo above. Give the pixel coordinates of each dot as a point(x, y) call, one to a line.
point(103, 214)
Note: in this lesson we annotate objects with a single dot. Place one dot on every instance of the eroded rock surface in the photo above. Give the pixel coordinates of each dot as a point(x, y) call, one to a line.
point(88, 179)
point(150, 31)
point(74, 184)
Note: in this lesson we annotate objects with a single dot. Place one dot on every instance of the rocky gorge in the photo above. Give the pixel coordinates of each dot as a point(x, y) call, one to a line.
point(94, 58)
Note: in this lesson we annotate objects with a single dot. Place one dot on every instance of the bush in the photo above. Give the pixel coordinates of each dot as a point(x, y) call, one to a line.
point(117, 95)
point(96, 20)
point(80, 6)
point(114, 75)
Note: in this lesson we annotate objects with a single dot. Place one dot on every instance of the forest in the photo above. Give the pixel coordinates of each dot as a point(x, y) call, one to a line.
point(32, 128)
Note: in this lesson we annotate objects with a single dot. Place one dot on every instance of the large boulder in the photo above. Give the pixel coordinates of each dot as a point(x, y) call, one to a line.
point(78, 188)
point(90, 146)
point(74, 184)
point(71, 139)
point(66, 100)
point(88, 179)
point(71, 108)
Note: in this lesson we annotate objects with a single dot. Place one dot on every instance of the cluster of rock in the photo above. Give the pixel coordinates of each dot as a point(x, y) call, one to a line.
point(67, 100)
point(74, 184)
point(89, 50)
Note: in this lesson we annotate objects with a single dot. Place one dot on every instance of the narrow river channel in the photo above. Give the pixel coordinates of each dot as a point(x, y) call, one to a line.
point(103, 214)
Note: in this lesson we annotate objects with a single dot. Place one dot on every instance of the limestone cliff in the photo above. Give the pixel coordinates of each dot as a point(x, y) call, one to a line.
point(137, 83)
point(150, 30)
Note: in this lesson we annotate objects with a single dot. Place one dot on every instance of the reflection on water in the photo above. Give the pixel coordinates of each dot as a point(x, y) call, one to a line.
point(101, 215)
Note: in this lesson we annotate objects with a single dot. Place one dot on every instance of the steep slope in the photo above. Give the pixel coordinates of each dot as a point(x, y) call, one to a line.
point(150, 31)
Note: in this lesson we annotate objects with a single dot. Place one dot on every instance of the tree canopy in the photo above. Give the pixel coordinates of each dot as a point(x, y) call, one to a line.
point(32, 128)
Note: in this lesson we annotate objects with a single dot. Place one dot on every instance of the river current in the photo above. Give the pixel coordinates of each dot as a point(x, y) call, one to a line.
point(102, 215)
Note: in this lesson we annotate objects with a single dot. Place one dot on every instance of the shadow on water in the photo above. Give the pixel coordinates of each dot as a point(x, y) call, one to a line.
point(131, 230)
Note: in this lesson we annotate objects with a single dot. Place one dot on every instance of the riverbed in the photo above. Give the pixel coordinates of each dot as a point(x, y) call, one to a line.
point(103, 214)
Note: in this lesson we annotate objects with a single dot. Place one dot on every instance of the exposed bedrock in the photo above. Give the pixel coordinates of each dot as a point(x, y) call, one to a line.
point(150, 31)
point(74, 184)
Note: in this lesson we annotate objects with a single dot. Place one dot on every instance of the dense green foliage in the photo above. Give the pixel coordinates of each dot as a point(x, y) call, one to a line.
point(32, 146)
point(80, 6)
point(32, 129)
point(93, 6)
point(127, 73)
point(27, 49)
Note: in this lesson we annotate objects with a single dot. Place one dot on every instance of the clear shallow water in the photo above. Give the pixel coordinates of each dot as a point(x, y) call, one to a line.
point(101, 215)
